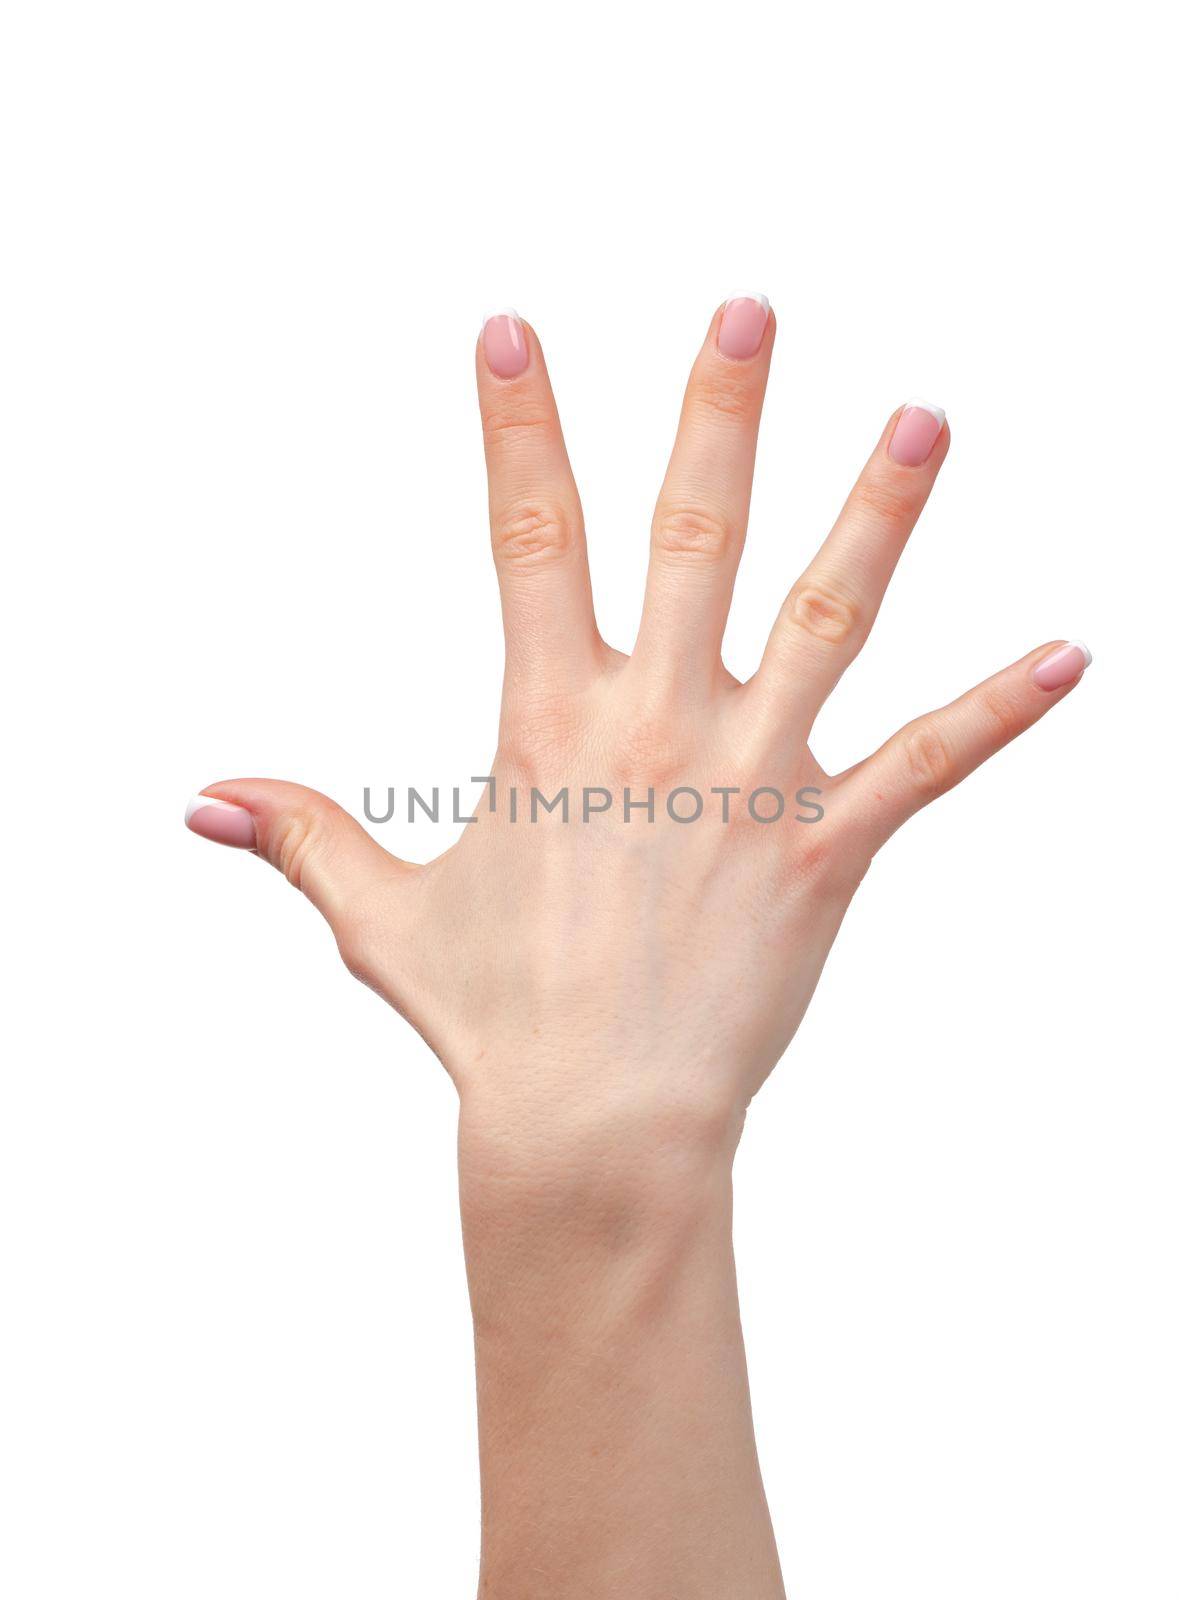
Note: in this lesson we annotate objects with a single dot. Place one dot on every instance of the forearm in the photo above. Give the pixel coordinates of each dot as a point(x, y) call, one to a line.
point(608, 986)
point(616, 1441)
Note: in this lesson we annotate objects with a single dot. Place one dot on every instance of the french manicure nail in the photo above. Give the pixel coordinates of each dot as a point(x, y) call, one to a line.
point(916, 433)
point(220, 821)
point(504, 343)
point(742, 326)
point(1062, 666)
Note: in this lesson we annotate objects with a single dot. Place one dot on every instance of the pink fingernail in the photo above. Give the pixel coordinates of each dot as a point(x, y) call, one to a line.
point(220, 821)
point(916, 433)
point(743, 326)
point(1062, 666)
point(504, 343)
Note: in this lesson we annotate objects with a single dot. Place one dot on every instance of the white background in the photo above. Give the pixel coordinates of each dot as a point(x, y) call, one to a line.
point(247, 248)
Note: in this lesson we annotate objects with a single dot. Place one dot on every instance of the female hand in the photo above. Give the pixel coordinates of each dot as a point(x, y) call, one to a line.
point(609, 991)
point(651, 966)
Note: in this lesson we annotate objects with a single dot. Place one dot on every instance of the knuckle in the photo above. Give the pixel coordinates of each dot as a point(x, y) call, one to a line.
point(723, 394)
point(355, 944)
point(362, 938)
point(692, 534)
point(813, 861)
point(880, 498)
point(510, 420)
point(530, 535)
point(536, 747)
point(928, 759)
point(811, 869)
point(1002, 714)
point(825, 613)
point(543, 732)
point(822, 856)
point(648, 749)
point(293, 843)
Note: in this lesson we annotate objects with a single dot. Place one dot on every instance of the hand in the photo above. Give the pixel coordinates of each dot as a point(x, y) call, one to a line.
point(608, 992)
point(604, 969)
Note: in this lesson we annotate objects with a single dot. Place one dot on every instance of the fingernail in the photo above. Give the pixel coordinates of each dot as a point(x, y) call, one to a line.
point(1063, 666)
point(742, 326)
point(221, 822)
point(504, 343)
point(916, 433)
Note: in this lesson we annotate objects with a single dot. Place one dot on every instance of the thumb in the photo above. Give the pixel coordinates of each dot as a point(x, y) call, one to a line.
point(312, 841)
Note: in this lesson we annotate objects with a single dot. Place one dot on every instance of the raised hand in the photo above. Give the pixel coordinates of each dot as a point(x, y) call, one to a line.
point(696, 940)
point(609, 991)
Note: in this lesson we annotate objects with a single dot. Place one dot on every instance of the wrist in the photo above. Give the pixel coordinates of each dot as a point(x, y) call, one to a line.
point(610, 1138)
point(591, 1203)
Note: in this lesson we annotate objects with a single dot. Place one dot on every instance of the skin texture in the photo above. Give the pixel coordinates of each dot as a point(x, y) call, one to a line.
point(608, 995)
